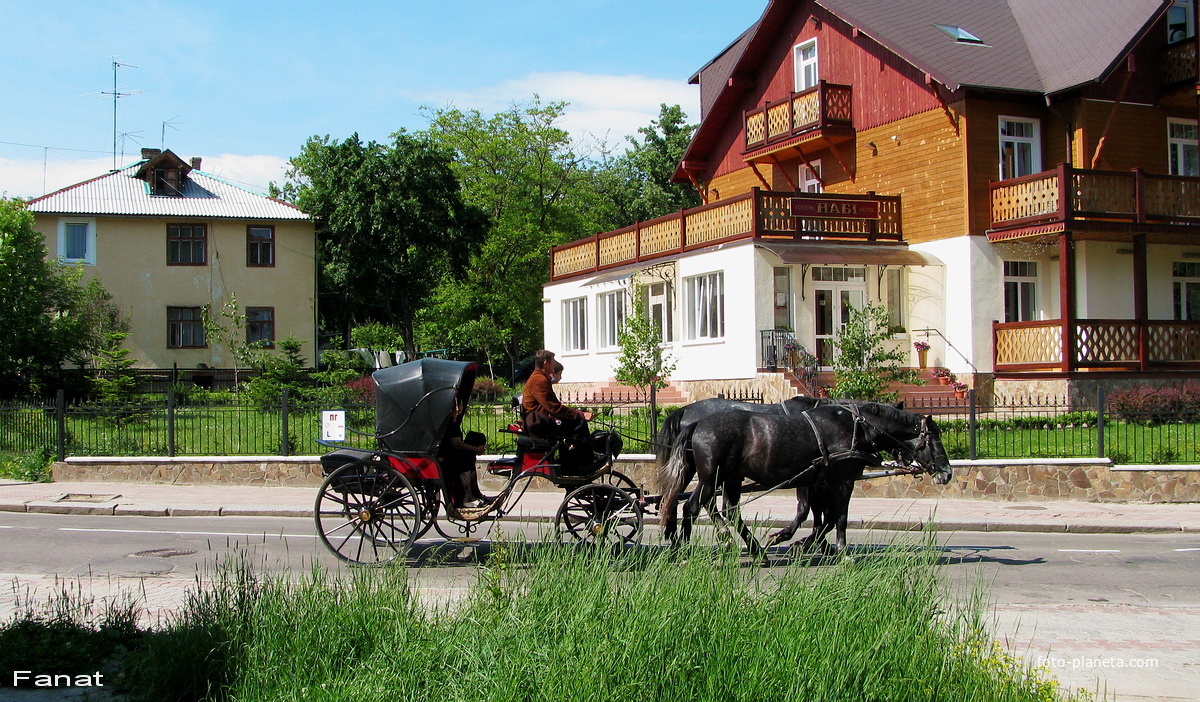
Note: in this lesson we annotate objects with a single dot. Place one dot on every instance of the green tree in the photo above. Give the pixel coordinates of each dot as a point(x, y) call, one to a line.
point(522, 169)
point(864, 365)
point(392, 223)
point(642, 362)
point(636, 185)
point(49, 317)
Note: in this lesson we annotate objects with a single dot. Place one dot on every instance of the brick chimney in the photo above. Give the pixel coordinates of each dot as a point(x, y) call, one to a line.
point(150, 153)
point(196, 162)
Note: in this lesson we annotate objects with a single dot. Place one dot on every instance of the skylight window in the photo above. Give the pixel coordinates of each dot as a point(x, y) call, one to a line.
point(959, 34)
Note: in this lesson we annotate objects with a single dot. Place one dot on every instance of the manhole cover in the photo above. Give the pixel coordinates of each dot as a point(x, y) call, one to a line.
point(1032, 507)
point(165, 552)
point(85, 497)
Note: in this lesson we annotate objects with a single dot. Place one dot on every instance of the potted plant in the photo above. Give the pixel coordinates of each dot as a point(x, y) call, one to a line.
point(943, 375)
point(960, 389)
point(922, 352)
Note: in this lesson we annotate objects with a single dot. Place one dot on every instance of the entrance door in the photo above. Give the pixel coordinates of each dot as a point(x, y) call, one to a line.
point(836, 292)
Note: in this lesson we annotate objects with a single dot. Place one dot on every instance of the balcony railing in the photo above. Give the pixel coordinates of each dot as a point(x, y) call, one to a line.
point(1067, 195)
point(1096, 344)
point(1179, 62)
point(757, 214)
point(826, 105)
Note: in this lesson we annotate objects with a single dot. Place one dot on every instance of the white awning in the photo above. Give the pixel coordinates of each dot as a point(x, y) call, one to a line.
point(846, 253)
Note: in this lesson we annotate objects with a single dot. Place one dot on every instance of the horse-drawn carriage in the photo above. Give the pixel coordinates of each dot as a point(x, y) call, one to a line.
point(373, 505)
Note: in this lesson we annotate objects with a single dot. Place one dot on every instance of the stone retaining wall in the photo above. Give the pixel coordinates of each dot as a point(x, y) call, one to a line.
point(1016, 480)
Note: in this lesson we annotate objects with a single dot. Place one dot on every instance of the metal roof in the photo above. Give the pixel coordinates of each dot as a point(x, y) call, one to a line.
point(120, 193)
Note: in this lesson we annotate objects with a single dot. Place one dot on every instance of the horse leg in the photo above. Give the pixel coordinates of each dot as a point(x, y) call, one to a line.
point(844, 491)
point(786, 533)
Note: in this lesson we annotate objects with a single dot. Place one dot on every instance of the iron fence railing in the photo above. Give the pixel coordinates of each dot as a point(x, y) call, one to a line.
point(971, 428)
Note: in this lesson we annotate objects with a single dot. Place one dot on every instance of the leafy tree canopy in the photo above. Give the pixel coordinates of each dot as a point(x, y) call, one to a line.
point(392, 223)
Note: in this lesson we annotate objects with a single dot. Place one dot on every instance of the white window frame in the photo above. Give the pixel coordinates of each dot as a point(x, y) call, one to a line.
point(1026, 290)
point(661, 302)
point(1178, 148)
point(611, 308)
point(893, 292)
point(706, 306)
point(574, 322)
point(1188, 11)
point(89, 258)
point(802, 64)
point(1185, 275)
point(1034, 142)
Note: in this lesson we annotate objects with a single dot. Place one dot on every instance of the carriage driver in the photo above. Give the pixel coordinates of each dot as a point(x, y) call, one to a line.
point(544, 416)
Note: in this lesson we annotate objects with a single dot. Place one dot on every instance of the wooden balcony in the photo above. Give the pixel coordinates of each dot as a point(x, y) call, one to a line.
point(811, 112)
point(1076, 199)
point(758, 214)
point(1095, 345)
point(1179, 63)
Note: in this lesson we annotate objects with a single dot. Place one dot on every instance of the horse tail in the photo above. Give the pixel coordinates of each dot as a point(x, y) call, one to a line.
point(665, 441)
point(673, 476)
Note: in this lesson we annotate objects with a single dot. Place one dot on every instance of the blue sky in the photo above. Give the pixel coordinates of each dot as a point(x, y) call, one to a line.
point(244, 84)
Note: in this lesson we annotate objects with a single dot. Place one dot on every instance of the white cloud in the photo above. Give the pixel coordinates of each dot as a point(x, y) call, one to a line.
point(602, 106)
point(250, 172)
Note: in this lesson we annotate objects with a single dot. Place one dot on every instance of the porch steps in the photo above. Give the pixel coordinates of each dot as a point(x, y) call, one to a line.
point(669, 395)
point(930, 398)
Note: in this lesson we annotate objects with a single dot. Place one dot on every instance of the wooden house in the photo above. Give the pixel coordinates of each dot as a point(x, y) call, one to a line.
point(1016, 180)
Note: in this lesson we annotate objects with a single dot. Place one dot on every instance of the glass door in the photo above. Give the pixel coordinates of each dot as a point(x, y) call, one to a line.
point(837, 291)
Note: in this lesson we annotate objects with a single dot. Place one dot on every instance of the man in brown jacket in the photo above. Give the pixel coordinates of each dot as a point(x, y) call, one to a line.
point(544, 415)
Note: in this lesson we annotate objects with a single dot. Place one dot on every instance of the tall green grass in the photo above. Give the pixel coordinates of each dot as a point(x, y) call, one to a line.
point(550, 623)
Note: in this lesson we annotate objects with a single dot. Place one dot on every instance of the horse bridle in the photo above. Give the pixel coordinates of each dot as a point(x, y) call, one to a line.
point(907, 457)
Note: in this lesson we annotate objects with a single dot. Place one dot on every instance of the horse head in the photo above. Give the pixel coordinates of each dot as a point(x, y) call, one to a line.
point(929, 453)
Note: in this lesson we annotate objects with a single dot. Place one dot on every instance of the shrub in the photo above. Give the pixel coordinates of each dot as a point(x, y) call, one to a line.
point(1163, 454)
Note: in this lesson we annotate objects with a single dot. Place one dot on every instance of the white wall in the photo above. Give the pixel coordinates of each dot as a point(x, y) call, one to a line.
point(972, 294)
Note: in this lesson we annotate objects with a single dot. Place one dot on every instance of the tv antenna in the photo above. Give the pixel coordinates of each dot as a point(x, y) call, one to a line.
point(162, 144)
point(116, 95)
point(127, 137)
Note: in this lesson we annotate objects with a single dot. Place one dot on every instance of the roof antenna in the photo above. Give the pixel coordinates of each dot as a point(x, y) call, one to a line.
point(117, 95)
point(162, 144)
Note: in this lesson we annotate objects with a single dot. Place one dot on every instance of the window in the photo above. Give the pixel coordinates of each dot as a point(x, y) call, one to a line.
point(1186, 290)
point(260, 326)
point(187, 244)
point(575, 324)
point(1181, 23)
point(959, 34)
point(168, 182)
point(804, 58)
point(895, 296)
point(706, 306)
point(659, 309)
point(260, 246)
point(185, 327)
point(1020, 147)
point(610, 315)
point(1181, 147)
point(77, 241)
point(1020, 291)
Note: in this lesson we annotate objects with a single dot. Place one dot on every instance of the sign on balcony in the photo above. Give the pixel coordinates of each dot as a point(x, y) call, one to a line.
point(832, 208)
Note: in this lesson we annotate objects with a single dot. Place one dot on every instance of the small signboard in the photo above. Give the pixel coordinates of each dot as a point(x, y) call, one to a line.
point(333, 425)
point(831, 208)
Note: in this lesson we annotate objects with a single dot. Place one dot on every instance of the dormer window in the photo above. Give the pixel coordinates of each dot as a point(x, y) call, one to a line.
point(960, 35)
point(168, 182)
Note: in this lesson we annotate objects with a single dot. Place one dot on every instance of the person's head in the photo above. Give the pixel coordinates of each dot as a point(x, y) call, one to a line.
point(544, 361)
point(556, 374)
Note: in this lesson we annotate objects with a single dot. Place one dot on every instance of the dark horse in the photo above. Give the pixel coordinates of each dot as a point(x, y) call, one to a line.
point(826, 498)
point(826, 445)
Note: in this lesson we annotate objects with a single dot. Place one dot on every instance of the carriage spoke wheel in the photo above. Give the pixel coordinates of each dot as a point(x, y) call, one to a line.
point(597, 513)
point(368, 513)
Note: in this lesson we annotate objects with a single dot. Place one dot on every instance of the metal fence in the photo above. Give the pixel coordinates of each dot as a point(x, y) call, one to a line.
point(1045, 428)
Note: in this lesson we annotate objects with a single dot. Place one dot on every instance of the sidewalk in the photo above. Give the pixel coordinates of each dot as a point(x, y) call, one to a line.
point(946, 515)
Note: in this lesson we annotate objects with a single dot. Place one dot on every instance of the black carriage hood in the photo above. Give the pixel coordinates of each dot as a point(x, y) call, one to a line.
point(413, 402)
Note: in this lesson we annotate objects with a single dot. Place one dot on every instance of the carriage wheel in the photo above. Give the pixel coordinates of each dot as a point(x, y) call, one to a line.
point(619, 480)
point(368, 513)
point(431, 502)
point(600, 514)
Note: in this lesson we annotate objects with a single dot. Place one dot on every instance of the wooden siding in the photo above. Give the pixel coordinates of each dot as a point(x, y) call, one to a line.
point(886, 89)
point(1137, 138)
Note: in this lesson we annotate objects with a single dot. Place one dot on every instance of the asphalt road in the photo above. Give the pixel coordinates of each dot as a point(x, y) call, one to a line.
point(1101, 611)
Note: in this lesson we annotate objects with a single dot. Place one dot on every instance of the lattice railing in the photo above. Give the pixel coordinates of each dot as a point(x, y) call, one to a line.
point(824, 105)
point(573, 259)
point(1179, 62)
point(806, 110)
point(1024, 199)
point(1108, 193)
point(1172, 198)
point(618, 248)
point(662, 236)
point(1173, 342)
point(720, 222)
point(1109, 341)
point(1029, 344)
point(756, 127)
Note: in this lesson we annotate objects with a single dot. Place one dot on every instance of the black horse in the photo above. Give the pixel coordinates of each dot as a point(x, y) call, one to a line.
point(826, 445)
point(823, 498)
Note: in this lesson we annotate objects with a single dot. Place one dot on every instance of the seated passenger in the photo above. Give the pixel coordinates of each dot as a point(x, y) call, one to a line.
point(546, 417)
point(457, 458)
